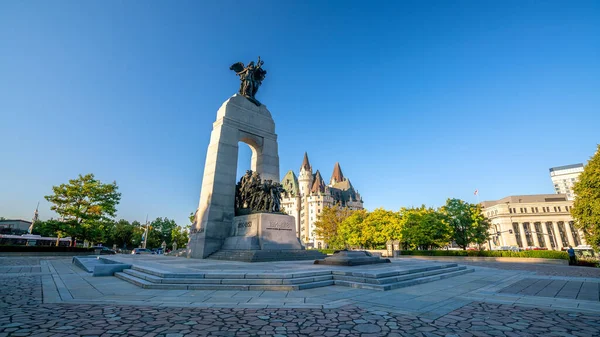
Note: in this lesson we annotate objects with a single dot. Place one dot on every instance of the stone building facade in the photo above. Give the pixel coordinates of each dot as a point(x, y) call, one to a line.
point(307, 194)
point(541, 220)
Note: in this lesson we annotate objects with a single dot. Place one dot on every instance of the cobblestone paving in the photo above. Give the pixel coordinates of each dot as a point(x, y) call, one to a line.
point(476, 319)
point(22, 290)
point(23, 314)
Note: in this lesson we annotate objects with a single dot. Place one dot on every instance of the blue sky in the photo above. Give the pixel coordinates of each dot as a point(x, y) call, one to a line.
point(418, 100)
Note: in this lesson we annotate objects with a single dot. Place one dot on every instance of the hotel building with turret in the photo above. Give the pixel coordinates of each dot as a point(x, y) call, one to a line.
point(307, 194)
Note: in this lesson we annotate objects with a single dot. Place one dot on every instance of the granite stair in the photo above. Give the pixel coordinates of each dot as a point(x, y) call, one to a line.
point(150, 278)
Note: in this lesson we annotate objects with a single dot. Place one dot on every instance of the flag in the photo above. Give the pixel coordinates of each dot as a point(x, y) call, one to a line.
point(476, 192)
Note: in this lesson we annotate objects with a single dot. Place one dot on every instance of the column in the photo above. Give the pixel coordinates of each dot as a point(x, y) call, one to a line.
point(523, 235)
point(557, 237)
point(533, 232)
point(569, 234)
point(546, 236)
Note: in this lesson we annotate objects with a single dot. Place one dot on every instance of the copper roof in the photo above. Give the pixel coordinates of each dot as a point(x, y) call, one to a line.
point(319, 185)
point(337, 175)
point(305, 164)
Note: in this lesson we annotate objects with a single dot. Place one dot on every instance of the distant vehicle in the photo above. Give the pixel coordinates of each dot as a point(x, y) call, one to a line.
point(582, 251)
point(103, 250)
point(509, 248)
point(141, 251)
point(33, 240)
point(535, 248)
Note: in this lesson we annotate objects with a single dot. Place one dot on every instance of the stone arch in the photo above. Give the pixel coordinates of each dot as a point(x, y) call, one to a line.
point(238, 120)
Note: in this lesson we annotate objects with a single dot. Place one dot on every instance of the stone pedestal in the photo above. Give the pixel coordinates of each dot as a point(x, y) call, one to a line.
point(238, 119)
point(263, 231)
point(351, 258)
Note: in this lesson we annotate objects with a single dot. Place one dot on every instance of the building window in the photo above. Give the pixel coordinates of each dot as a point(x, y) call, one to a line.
point(540, 234)
point(525, 209)
point(514, 210)
point(528, 235)
point(496, 236)
point(559, 209)
point(575, 233)
point(563, 234)
point(521, 209)
point(517, 234)
point(537, 210)
point(554, 208)
point(550, 231)
point(510, 210)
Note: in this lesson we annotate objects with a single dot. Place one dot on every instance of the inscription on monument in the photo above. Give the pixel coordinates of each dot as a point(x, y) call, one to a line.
point(245, 224)
point(196, 231)
point(280, 226)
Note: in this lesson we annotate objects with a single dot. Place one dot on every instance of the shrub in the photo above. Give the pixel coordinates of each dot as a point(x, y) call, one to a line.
point(327, 251)
point(543, 254)
point(587, 262)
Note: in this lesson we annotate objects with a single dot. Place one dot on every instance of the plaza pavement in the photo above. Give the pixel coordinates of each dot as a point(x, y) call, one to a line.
point(52, 297)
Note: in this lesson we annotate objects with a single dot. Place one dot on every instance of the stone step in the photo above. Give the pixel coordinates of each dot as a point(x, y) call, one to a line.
point(243, 281)
point(402, 284)
point(232, 275)
point(398, 278)
point(319, 281)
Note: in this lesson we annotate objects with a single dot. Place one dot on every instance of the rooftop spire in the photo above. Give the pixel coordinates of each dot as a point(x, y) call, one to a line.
point(337, 175)
point(319, 184)
point(305, 164)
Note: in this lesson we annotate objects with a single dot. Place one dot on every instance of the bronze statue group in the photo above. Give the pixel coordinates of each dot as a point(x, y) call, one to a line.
point(252, 194)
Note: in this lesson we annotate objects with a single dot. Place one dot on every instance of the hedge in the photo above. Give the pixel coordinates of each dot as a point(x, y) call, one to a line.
point(45, 249)
point(327, 251)
point(543, 254)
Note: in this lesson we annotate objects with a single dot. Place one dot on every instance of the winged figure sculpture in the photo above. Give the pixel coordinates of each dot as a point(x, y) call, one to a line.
point(251, 77)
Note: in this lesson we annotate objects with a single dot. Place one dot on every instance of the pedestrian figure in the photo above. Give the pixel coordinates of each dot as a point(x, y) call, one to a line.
point(571, 252)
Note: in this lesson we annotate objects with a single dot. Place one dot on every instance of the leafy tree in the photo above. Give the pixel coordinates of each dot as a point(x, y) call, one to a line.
point(379, 226)
point(138, 233)
point(180, 235)
point(163, 228)
point(327, 225)
point(423, 228)
point(86, 206)
point(49, 228)
point(586, 208)
point(123, 234)
point(350, 230)
point(467, 222)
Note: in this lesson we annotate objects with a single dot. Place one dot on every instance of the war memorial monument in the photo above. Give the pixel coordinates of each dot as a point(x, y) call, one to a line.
point(244, 221)
point(241, 239)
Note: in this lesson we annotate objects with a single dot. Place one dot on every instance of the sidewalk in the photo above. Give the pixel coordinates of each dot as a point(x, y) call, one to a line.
point(69, 284)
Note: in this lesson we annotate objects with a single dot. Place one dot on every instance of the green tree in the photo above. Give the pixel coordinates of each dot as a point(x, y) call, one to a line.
point(586, 208)
point(163, 228)
point(49, 228)
point(423, 228)
point(379, 226)
point(180, 235)
point(86, 207)
point(351, 228)
point(123, 234)
point(138, 233)
point(327, 224)
point(467, 222)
